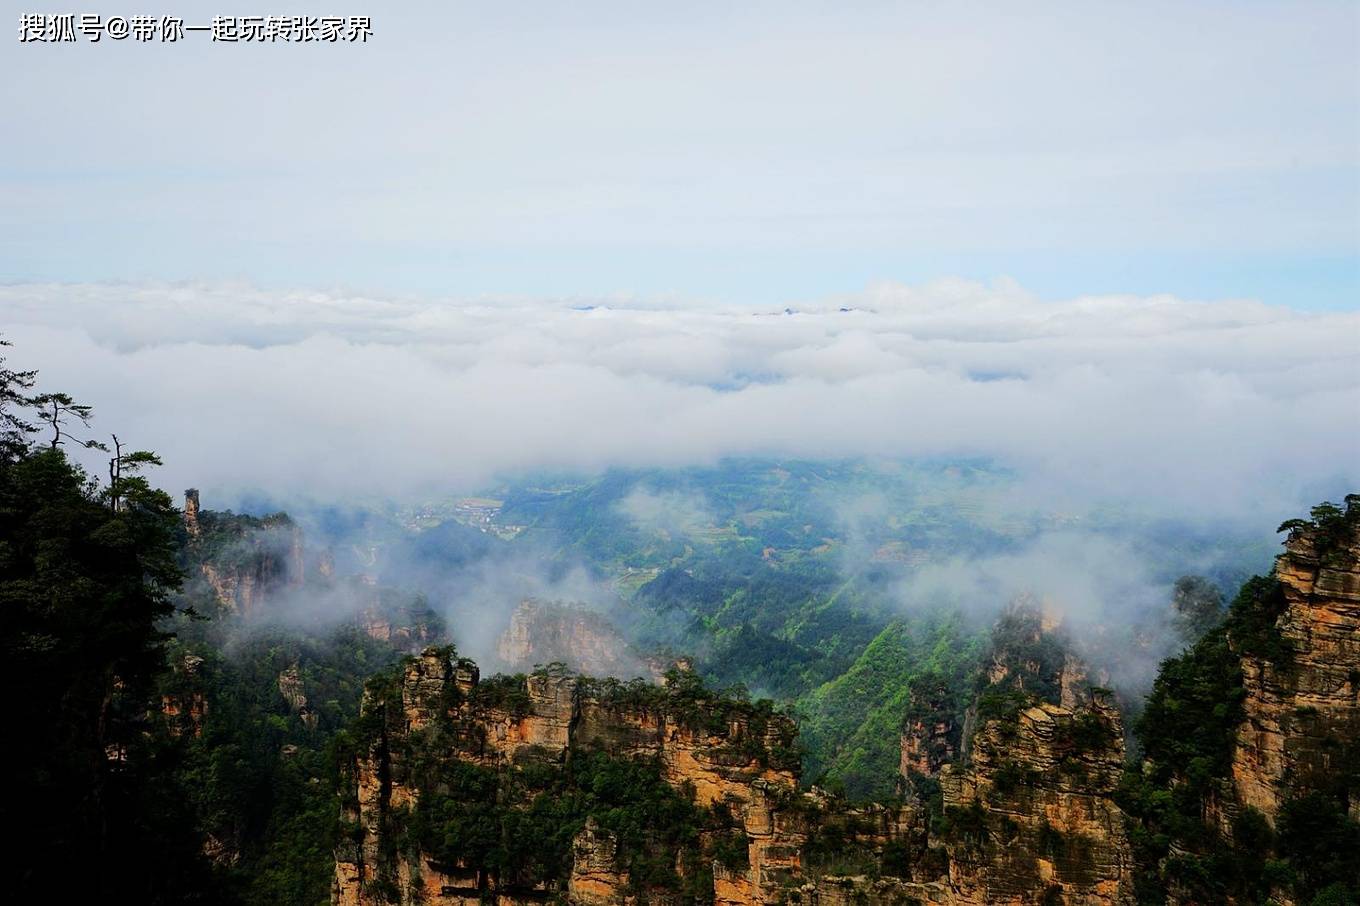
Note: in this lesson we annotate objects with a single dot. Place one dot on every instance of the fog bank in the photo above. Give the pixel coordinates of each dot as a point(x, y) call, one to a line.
point(1235, 409)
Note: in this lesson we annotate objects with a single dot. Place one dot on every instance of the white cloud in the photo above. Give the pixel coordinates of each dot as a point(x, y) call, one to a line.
point(1231, 408)
point(670, 512)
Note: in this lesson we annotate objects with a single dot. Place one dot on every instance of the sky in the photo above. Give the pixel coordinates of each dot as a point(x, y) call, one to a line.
point(741, 154)
point(1114, 245)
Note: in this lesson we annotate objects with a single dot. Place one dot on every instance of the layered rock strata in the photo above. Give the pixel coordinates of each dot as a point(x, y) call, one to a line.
point(1303, 717)
point(1033, 818)
point(550, 717)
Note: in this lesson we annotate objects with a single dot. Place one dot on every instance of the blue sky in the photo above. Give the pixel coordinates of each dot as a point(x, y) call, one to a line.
point(772, 154)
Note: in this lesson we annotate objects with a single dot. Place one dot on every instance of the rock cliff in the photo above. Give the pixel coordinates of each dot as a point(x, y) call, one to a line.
point(544, 632)
point(1019, 802)
point(1303, 711)
point(261, 568)
point(729, 759)
point(1248, 785)
point(1032, 818)
point(931, 733)
point(291, 688)
point(1029, 817)
point(597, 878)
point(240, 560)
point(184, 705)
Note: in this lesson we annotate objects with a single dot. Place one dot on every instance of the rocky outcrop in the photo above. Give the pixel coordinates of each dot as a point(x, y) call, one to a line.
point(1073, 683)
point(930, 735)
point(1029, 653)
point(239, 590)
point(862, 890)
point(543, 632)
point(261, 568)
point(246, 576)
point(241, 560)
point(1032, 818)
point(1303, 714)
point(406, 625)
point(736, 763)
point(597, 878)
point(1023, 813)
point(925, 748)
point(1029, 814)
point(191, 513)
point(774, 845)
point(186, 707)
point(291, 688)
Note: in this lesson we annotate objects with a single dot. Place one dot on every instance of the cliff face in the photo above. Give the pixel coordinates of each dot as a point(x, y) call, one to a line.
point(926, 747)
point(241, 560)
point(1303, 716)
point(1026, 783)
point(261, 568)
point(239, 588)
point(191, 526)
point(1033, 817)
point(549, 719)
point(291, 688)
point(543, 632)
point(405, 623)
point(1030, 818)
point(186, 707)
point(597, 878)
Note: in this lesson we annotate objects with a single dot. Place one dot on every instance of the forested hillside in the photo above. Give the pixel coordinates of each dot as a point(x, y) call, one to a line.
point(225, 708)
point(180, 681)
point(800, 579)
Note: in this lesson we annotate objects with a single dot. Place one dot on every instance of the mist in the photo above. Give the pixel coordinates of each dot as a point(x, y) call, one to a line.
point(1232, 410)
point(1098, 591)
point(673, 514)
point(1229, 416)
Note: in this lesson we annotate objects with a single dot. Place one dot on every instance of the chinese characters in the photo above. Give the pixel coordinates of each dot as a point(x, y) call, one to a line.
point(58, 28)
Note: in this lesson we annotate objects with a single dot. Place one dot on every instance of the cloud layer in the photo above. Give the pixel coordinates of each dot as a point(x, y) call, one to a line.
point(1231, 408)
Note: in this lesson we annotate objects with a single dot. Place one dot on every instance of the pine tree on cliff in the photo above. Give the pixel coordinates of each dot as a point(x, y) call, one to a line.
point(1197, 607)
point(15, 399)
point(1191, 835)
point(83, 583)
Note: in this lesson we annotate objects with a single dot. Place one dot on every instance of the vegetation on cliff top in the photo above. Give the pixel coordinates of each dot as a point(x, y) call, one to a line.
point(512, 827)
point(259, 779)
point(851, 726)
point(87, 569)
point(1187, 733)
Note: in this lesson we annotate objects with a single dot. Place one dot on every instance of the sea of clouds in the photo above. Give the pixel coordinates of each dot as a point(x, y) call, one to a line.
point(1186, 408)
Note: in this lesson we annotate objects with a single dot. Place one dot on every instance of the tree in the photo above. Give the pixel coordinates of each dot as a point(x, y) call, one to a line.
point(56, 410)
point(127, 487)
point(14, 398)
point(86, 574)
point(1198, 606)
